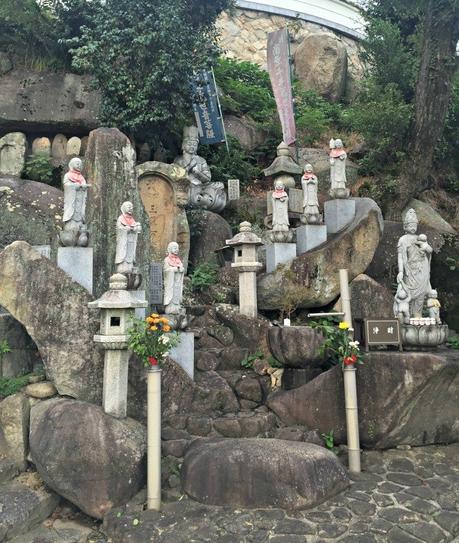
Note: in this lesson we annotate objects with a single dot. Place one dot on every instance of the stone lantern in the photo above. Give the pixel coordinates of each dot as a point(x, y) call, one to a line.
point(246, 262)
point(284, 167)
point(117, 308)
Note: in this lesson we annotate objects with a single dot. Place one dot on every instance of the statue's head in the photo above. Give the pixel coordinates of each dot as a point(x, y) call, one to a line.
point(190, 140)
point(410, 222)
point(422, 237)
point(173, 248)
point(339, 143)
point(279, 185)
point(433, 293)
point(127, 208)
point(76, 164)
point(308, 168)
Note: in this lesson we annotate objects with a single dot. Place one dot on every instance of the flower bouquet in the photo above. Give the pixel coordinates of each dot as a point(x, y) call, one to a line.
point(339, 346)
point(151, 339)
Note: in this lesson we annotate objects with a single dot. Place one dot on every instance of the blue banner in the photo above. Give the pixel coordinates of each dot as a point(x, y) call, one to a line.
point(206, 108)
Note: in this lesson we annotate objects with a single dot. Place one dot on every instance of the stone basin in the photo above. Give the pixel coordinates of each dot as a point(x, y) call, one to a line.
point(423, 337)
point(296, 346)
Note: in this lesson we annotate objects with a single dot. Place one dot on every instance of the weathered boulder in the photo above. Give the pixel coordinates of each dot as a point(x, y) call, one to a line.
point(110, 170)
point(245, 131)
point(92, 459)
point(48, 102)
point(321, 65)
point(24, 504)
point(404, 399)
point(42, 390)
point(14, 429)
point(29, 211)
point(296, 346)
point(12, 154)
point(254, 473)
point(211, 233)
point(23, 354)
point(369, 299)
point(54, 311)
point(352, 248)
point(427, 216)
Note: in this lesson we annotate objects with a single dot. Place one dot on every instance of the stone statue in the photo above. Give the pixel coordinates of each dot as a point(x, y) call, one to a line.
point(414, 255)
point(402, 305)
point(127, 231)
point(338, 158)
point(433, 306)
point(309, 183)
point(173, 272)
point(75, 232)
point(281, 232)
point(204, 193)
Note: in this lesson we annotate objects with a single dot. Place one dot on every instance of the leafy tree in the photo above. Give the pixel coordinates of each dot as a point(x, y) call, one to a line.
point(142, 54)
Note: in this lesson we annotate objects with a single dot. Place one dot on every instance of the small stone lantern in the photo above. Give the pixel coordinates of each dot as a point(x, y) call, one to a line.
point(284, 167)
point(245, 261)
point(117, 307)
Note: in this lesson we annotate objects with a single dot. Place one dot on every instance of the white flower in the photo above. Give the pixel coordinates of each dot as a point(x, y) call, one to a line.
point(164, 340)
point(166, 353)
point(354, 344)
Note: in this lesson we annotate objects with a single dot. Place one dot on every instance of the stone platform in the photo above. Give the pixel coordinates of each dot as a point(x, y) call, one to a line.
point(338, 214)
point(310, 236)
point(78, 263)
point(279, 253)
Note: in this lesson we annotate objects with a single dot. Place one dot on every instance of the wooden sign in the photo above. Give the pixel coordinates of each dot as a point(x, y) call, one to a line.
point(382, 332)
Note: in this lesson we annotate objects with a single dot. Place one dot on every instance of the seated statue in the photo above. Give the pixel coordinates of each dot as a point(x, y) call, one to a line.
point(204, 193)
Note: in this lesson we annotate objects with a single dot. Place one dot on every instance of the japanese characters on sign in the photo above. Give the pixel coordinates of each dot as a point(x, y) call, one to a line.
point(382, 332)
point(206, 109)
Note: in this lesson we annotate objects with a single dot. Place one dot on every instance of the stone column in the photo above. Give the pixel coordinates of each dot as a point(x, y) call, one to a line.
point(245, 261)
point(117, 307)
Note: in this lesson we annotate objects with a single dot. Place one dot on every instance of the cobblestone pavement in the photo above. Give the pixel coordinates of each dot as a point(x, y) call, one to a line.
point(401, 496)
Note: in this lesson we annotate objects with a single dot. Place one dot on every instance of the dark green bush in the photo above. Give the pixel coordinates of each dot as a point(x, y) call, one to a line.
point(39, 168)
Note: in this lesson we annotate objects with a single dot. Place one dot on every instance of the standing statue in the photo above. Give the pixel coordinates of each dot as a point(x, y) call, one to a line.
point(127, 231)
point(173, 272)
point(338, 180)
point(433, 306)
point(414, 255)
point(309, 183)
point(203, 193)
point(280, 232)
point(75, 232)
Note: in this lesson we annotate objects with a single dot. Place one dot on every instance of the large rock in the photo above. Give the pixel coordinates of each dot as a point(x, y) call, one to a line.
point(48, 102)
point(321, 65)
point(24, 504)
point(296, 346)
point(255, 473)
point(245, 131)
point(352, 248)
point(23, 354)
point(427, 216)
point(110, 170)
point(54, 311)
point(369, 299)
point(92, 459)
point(14, 429)
point(211, 233)
point(29, 211)
point(404, 399)
point(12, 154)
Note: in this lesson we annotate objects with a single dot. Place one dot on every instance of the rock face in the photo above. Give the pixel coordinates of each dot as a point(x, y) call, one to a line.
point(404, 399)
point(40, 102)
point(14, 429)
point(369, 299)
point(110, 170)
point(321, 65)
point(54, 310)
point(427, 216)
point(29, 211)
point(212, 233)
point(296, 346)
point(23, 353)
point(93, 460)
point(12, 154)
point(255, 473)
point(245, 131)
point(352, 248)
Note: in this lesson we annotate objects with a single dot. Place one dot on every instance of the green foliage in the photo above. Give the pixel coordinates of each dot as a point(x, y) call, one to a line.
point(382, 190)
point(11, 385)
point(247, 362)
point(142, 55)
point(151, 339)
point(453, 343)
point(4, 348)
point(39, 168)
point(203, 276)
point(329, 440)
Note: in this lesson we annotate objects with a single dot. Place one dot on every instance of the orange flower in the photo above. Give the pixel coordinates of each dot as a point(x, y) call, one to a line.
point(164, 320)
point(149, 320)
point(166, 328)
point(154, 316)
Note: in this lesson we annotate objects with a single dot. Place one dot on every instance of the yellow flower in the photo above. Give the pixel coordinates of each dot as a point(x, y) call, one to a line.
point(343, 325)
point(156, 321)
point(154, 328)
point(164, 320)
point(149, 320)
point(154, 316)
point(166, 328)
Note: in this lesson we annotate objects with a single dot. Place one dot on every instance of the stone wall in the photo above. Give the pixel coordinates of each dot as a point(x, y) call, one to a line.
point(244, 36)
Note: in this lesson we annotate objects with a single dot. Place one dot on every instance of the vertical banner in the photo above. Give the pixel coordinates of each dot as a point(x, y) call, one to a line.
point(206, 108)
point(279, 73)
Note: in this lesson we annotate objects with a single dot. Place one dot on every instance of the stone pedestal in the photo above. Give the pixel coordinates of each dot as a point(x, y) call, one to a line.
point(183, 353)
point(338, 214)
point(115, 382)
point(310, 236)
point(44, 250)
point(78, 263)
point(279, 253)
